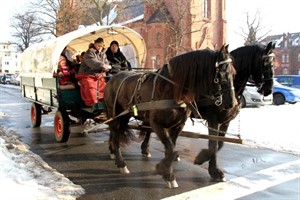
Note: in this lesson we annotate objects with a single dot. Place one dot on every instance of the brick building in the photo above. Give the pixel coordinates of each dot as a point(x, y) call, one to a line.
point(287, 52)
point(172, 27)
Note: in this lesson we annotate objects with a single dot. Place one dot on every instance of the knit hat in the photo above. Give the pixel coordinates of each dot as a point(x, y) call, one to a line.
point(99, 40)
point(114, 42)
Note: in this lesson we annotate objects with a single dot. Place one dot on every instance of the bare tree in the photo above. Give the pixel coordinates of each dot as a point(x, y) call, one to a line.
point(58, 17)
point(180, 27)
point(26, 30)
point(254, 30)
point(99, 11)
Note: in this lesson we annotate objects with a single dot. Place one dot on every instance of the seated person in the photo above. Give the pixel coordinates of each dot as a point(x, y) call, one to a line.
point(116, 58)
point(79, 57)
point(67, 75)
point(92, 72)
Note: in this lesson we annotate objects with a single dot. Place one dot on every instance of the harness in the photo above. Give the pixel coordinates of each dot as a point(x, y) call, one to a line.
point(167, 103)
point(150, 105)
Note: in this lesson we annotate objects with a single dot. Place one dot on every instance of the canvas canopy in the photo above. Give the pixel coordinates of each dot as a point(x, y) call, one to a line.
point(42, 58)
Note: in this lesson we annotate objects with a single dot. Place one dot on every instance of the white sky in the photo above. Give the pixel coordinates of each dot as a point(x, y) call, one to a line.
point(262, 127)
point(280, 16)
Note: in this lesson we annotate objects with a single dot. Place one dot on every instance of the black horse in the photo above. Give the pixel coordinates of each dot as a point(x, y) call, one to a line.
point(162, 100)
point(252, 63)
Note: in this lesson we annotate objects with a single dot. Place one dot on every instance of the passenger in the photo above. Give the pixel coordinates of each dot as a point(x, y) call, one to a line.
point(67, 75)
point(79, 57)
point(73, 65)
point(116, 58)
point(92, 73)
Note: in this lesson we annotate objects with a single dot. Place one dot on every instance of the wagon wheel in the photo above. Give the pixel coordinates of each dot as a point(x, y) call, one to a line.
point(278, 99)
point(61, 126)
point(36, 115)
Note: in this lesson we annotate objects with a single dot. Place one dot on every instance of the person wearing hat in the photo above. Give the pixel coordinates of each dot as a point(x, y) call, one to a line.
point(116, 58)
point(65, 71)
point(94, 59)
point(92, 73)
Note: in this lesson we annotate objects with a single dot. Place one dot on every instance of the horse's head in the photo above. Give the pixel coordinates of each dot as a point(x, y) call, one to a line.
point(224, 78)
point(265, 84)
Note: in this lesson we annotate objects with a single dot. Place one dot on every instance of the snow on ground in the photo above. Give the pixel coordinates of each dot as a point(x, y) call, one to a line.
point(24, 175)
point(270, 126)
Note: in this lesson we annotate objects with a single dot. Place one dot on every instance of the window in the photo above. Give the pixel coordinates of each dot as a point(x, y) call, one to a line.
point(285, 58)
point(298, 57)
point(206, 9)
point(285, 71)
point(158, 40)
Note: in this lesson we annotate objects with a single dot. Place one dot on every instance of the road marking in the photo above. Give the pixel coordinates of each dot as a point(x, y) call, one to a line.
point(243, 186)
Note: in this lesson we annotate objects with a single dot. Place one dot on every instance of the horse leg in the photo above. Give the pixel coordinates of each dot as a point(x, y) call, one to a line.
point(115, 131)
point(111, 147)
point(174, 133)
point(145, 144)
point(213, 169)
point(210, 155)
point(223, 130)
point(164, 167)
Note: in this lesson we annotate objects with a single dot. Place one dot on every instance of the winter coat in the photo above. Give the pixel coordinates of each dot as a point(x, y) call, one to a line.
point(93, 61)
point(117, 60)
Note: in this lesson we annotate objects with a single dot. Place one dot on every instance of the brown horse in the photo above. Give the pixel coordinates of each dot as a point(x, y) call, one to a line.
point(161, 100)
point(253, 62)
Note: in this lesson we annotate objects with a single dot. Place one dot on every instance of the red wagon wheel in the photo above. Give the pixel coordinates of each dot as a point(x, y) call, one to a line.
point(61, 126)
point(36, 115)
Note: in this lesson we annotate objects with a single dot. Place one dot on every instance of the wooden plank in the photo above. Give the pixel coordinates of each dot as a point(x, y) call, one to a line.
point(195, 135)
point(211, 137)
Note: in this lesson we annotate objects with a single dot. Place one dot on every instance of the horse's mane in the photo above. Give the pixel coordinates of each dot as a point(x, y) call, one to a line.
point(193, 72)
point(247, 61)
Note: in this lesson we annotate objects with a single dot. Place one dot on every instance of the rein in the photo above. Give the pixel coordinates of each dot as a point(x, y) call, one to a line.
point(170, 103)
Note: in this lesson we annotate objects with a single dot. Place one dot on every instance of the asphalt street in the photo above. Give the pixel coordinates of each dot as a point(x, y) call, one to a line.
point(251, 173)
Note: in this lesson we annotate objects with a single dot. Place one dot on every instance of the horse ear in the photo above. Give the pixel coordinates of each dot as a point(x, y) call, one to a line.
point(269, 48)
point(226, 47)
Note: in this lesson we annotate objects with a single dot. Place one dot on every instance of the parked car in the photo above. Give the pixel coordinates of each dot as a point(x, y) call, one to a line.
point(251, 97)
point(16, 80)
point(284, 94)
point(1, 79)
point(8, 78)
point(289, 80)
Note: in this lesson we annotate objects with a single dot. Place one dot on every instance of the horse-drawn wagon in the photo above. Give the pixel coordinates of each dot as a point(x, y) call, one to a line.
point(39, 65)
point(200, 81)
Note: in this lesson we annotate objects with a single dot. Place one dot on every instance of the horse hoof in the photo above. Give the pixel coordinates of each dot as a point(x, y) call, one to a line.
point(112, 156)
point(124, 170)
point(219, 179)
point(172, 184)
point(146, 155)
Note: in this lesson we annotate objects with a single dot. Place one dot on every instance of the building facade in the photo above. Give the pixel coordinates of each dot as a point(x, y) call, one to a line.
point(9, 58)
point(173, 27)
point(287, 53)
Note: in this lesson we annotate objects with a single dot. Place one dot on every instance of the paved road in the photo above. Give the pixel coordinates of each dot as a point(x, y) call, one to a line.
point(251, 173)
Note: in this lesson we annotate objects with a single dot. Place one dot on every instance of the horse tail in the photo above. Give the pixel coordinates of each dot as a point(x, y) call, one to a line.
point(127, 136)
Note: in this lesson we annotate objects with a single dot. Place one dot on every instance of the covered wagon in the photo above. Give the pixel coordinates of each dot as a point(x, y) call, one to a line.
point(39, 63)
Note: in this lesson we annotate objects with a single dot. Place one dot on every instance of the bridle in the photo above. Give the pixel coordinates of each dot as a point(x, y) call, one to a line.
point(266, 70)
point(220, 79)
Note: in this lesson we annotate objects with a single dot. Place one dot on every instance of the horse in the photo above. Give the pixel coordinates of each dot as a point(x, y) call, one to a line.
point(253, 61)
point(162, 100)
